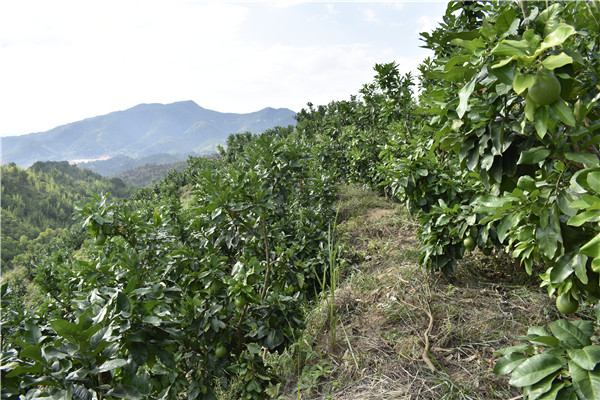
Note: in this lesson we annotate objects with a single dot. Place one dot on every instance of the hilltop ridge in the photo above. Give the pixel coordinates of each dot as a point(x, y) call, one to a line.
point(143, 130)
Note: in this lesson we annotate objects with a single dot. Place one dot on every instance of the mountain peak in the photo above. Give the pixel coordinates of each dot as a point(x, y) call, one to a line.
point(146, 129)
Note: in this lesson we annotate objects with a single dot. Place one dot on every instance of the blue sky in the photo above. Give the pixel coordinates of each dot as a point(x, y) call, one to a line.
point(65, 60)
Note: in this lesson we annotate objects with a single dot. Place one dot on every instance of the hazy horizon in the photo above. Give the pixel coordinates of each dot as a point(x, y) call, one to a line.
point(65, 61)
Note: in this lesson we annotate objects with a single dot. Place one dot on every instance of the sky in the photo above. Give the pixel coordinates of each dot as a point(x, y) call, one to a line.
point(65, 60)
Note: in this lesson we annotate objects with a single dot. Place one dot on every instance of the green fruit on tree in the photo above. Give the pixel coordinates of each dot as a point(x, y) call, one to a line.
point(487, 251)
point(240, 302)
point(220, 351)
point(100, 239)
point(545, 89)
point(566, 304)
point(251, 279)
point(469, 243)
point(579, 111)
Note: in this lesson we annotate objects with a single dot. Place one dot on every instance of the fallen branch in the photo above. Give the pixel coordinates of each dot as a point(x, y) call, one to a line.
point(427, 345)
point(425, 355)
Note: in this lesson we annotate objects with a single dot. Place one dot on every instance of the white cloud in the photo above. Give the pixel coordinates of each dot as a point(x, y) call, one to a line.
point(66, 60)
point(427, 23)
point(287, 3)
point(370, 16)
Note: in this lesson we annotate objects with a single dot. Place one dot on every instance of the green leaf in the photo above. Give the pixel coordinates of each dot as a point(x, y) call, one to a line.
point(556, 61)
point(541, 121)
point(547, 341)
point(123, 302)
point(508, 363)
point(522, 82)
point(526, 182)
point(547, 240)
point(463, 94)
point(110, 365)
point(530, 108)
point(556, 37)
point(579, 183)
point(33, 333)
point(142, 383)
point(66, 329)
point(504, 73)
point(33, 352)
point(590, 160)
point(585, 326)
point(97, 338)
point(553, 392)
point(537, 331)
point(81, 393)
point(166, 357)
point(509, 48)
point(588, 382)
point(506, 223)
point(138, 352)
point(51, 352)
point(274, 339)
point(152, 320)
point(578, 263)
point(542, 386)
point(586, 358)
point(570, 334)
point(563, 112)
point(520, 348)
point(28, 381)
point(592, 248)
point(465, 148)
point(562, 269)
point(593, 178)
point(535, 369)
point(584, 217)
point(125, 392)
point(26, 369)
point(534, 155)
point(596, 265)
point(468, 44)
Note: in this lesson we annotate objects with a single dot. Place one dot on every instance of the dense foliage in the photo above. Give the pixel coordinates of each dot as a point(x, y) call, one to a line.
point(148, 174)
point(513, 93)
point(507, 157)
point(38, 202)
point(187, 286)
point(168, 295)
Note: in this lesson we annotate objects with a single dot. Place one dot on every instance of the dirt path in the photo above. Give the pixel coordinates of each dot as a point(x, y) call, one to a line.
point(401, 333)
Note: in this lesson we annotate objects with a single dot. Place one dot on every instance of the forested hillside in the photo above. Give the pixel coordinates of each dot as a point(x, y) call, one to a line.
point(38, 202)
point(208, 284)
point(120, 164)
point(148, 174)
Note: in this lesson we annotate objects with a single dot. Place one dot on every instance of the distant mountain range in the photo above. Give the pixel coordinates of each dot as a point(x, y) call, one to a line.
point(144, 130)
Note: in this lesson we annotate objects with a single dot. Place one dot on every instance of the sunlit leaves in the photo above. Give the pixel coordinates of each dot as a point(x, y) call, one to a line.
point(588, 382)
point(587, 357)
point(535, 369)
point(464, 95)
point(557, 37)
point(556, 61)
point(522, 82)
point(534, 155)
point(561, 110)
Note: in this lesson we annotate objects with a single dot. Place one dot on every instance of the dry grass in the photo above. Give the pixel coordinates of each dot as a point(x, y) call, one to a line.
point(389, 310)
